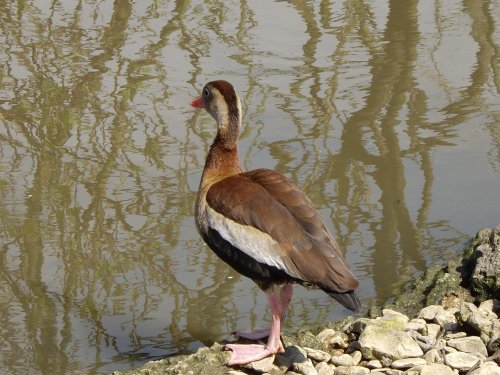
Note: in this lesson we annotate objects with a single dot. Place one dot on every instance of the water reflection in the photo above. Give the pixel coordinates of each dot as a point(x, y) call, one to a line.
point(386, 113)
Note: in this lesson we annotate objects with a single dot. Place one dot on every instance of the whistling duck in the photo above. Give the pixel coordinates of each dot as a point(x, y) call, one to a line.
point(263, 226)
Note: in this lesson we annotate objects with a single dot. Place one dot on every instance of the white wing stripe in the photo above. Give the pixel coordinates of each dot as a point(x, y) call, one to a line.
point(260, 246)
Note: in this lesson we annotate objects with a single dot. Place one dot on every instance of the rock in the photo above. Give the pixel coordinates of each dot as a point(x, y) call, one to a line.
point(460, 360)
point(446, 319)
point(393, 371)
point(377, 342)
point(481, 264)
point(342, 360)
point(429, 313)
point(352, 370)
point(374, 364)
point(455, 335)
point(471, 344)
point(417, 325)
point(359, 325)
point(235, 372)
point(324, 368)
point(407, 363)
point(488, 368)
point(292, 354)
point(415, 370)
point(436, 369)
point(433, 329)
point(306, 367)
point(263, 365)
point(483, 322)
point(356, 357)
point(333, 338)
point(433, 356)
point(392, 314)
point(317, 355)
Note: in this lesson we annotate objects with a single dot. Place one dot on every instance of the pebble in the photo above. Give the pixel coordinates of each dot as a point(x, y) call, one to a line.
point(318, 355)
point(342, 360)
point(488, 368)
point(471, 344)
point(305, 368)
point(429, 313)
point(351, 370)
point(374, 364)
point(408, 363)
point(356, 357)
point(324, 368)
point(263, 365)
point(436, 369)
point(433, 329)
point(460, 360)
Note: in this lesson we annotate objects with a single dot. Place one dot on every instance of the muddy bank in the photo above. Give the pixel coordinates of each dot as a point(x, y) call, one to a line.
point(444, 322)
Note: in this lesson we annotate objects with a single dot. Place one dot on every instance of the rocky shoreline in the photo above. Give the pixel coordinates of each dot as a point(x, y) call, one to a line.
point(444, 322)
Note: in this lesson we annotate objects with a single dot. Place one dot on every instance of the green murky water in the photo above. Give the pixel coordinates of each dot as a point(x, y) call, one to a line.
point(387, 113)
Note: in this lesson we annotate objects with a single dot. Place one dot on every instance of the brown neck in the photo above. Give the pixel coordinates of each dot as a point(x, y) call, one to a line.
point(222, 162)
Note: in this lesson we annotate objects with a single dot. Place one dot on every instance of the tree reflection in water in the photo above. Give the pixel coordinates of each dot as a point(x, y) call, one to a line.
point(369, 106)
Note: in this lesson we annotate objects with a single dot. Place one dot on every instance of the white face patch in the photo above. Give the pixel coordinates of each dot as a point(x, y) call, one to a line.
point(260, 246)
point(220, 110)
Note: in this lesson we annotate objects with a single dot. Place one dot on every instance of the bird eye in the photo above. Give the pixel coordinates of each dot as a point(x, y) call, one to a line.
point(206, 92)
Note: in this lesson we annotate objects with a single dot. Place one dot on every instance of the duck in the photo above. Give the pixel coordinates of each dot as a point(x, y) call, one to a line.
point(263, 226)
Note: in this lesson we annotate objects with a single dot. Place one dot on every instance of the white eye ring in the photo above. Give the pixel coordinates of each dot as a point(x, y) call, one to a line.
point(206, 92)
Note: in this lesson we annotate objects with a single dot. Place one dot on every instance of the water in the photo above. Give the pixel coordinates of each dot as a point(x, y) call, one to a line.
point(387, 114)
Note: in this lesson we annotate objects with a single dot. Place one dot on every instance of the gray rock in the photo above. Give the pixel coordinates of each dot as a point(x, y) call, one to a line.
point(324, 368)
point(377, 342)
point(487, 305)
point(408, 363)
point(429, 312)
point(449, 349)
point(446, 319)
point(488, 368)
point(317, 355)
point(433, 356)
point(393, 371)
point(392, 314)
point(436, 369)
point(455, 335)
point(352, 370)
point(460, 360)
point(374, 364)
point(433, 329)
point(263, 365)
point(482, 321)
point(305, 367)
point(415, 370)
point(356, 357)
point(342, 360)
point(471, 344)
point(333, 338)
point(481, 264)
point(417, 325)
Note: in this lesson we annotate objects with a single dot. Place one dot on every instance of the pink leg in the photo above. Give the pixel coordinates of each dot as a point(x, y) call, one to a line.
point(243, 354)
point(285, 297)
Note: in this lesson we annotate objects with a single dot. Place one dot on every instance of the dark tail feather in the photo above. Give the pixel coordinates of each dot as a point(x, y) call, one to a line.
point(348, 299)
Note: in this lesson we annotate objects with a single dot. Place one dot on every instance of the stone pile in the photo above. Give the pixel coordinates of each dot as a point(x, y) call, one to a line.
point(463, 339)
point(457, 332)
